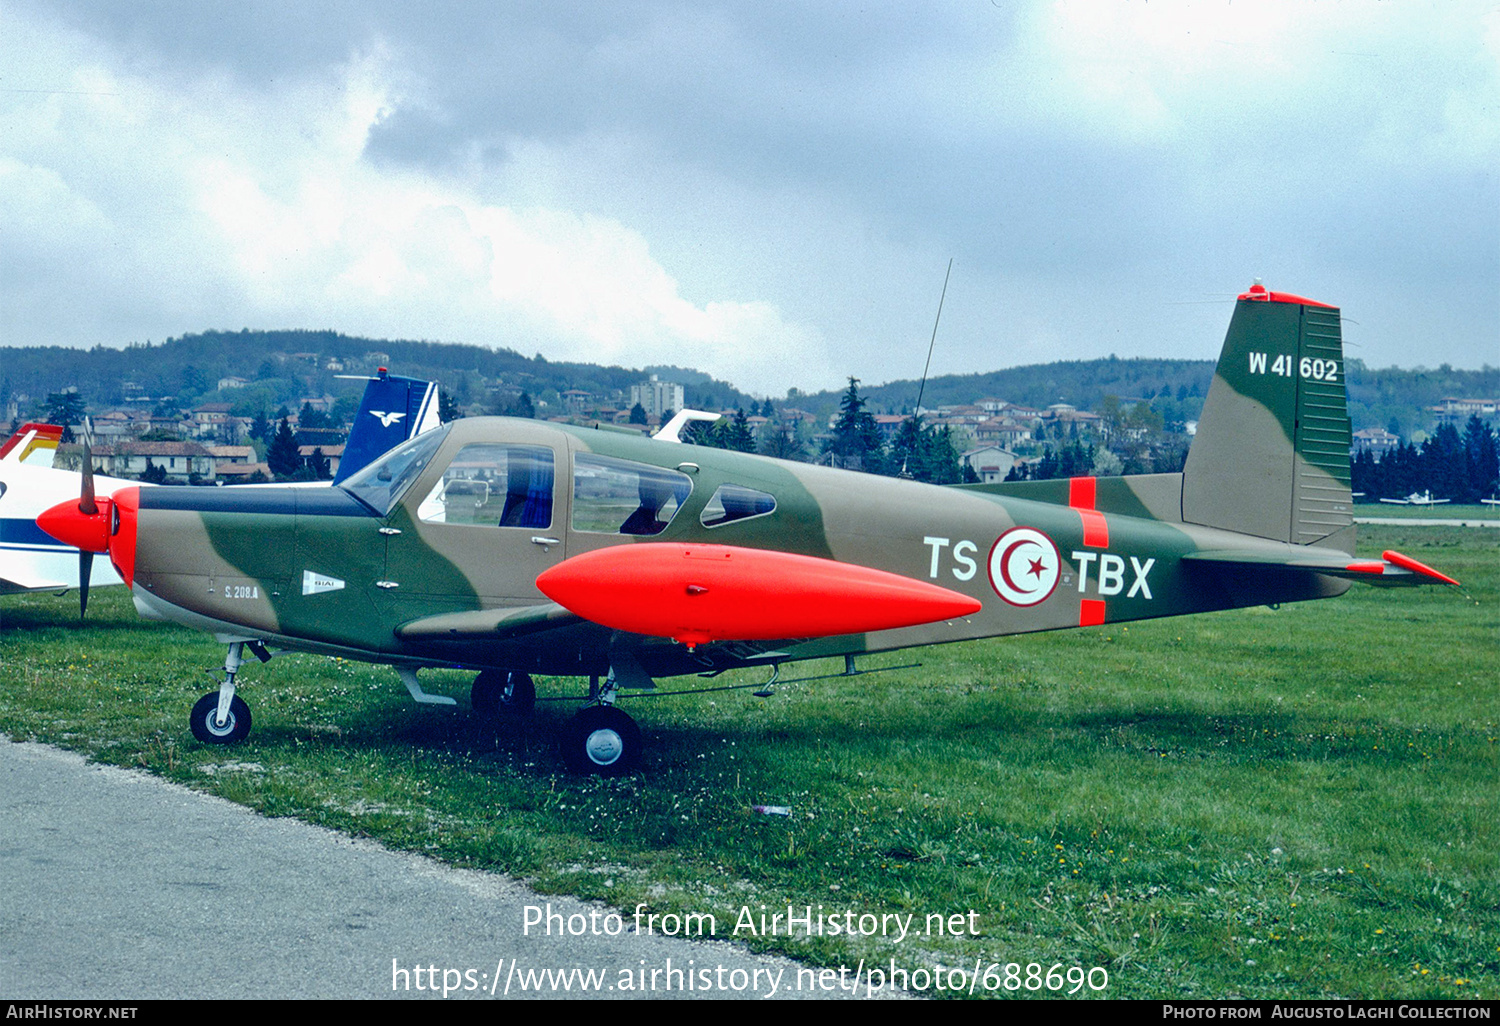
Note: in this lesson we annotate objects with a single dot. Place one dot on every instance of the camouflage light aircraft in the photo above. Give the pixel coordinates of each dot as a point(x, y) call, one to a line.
point(515, 547)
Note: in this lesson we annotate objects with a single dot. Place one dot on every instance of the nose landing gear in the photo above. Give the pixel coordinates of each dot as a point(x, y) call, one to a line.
point(601, 740)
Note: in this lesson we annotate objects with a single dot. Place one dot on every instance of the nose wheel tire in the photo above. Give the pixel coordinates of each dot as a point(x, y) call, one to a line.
point(206, 725)
point(503, 691)
point(601, 740)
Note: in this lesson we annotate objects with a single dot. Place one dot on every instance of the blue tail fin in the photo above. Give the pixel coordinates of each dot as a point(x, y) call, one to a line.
point(393, 409)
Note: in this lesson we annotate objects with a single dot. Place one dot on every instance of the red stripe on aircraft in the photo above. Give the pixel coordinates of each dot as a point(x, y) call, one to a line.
point(1091, 613)
point(1082, 492)
point(1081, 496)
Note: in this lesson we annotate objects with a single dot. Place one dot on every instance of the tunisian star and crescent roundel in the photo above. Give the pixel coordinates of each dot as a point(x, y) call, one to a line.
point(1024, 565)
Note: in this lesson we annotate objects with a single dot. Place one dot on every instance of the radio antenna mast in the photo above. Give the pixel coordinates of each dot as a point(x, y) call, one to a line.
point(916, 414)
point(923, 387)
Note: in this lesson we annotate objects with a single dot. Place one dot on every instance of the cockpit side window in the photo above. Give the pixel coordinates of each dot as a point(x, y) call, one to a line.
point(493, 485)
point(735, 502)
point(621, 497)
point(380, 485)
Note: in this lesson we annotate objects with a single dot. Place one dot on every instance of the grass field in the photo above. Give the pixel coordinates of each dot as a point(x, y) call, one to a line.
point(1446, 511)
point(1292, 803)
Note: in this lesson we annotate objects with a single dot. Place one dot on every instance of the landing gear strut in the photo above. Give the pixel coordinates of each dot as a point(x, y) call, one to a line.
point(503, 691)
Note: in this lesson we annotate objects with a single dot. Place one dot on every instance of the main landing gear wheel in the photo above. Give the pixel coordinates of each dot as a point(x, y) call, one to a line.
point(602, 740)
point(206, 725)
point(508, 691)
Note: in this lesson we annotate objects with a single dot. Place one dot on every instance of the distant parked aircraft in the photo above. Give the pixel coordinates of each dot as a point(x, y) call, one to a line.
point(394, 409)
point(1417, 499)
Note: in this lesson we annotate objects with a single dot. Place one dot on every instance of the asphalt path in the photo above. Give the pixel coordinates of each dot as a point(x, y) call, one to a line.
point(117, 885)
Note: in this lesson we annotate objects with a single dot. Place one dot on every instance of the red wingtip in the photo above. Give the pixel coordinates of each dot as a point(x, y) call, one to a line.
point(1406, 562)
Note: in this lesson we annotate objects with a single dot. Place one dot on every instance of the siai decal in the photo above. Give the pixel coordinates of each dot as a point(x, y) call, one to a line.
point(314, 584)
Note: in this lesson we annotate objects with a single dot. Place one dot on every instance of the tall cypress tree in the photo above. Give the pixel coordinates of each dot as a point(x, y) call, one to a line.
point(282, 456)
point(856, 440)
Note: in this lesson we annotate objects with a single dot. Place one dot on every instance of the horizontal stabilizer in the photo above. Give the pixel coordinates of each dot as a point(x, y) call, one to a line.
point(1393, 569)
point(16, 580)
point(497, 624)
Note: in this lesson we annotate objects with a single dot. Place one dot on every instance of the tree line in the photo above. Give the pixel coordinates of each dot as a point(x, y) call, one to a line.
point(1459, 467)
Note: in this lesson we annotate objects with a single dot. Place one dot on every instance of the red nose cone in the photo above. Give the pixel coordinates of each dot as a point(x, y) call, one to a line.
point(89, 532)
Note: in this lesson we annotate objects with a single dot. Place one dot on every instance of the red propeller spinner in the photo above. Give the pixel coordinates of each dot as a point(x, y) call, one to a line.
point(111, 527)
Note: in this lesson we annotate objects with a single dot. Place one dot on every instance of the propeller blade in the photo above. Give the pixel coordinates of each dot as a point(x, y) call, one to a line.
point(85, 571)
point(86, 504)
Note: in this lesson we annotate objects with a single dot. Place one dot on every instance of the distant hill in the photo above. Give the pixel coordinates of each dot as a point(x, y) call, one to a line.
point(1376, 397)
point(286, 365)
point(1081, 383)
point(283, 366)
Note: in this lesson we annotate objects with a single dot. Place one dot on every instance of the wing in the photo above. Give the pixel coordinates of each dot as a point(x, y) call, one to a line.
point(489, 624)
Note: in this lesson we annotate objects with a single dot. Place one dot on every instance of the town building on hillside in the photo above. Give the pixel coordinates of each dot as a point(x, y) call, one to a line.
point(227, 454)
point(210, 419)
point(990, 463)
point(170, 424)
point(238, 473)
point(113, 426)
point(1003, 431)
point(888, 424)
point(1459, 410)
point(180, 460)
point(326, 438)
point(331, 453)
point(968, 413)
point(1066, 413)
point(656, 396)
point(1377, 441)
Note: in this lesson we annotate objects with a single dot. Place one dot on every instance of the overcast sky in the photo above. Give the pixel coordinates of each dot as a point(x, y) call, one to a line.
point(770, 192)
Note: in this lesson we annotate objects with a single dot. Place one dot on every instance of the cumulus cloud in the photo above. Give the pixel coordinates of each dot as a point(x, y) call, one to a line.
point(769, 192)
point(207, 203)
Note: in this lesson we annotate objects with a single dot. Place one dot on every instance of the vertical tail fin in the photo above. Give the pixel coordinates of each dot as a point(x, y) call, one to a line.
point(33, 444)
point(1271, 456)
point(393, 409)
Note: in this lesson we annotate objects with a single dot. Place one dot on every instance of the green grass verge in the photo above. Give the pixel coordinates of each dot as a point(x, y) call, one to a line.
point(1293, 803)
point(1446, 511)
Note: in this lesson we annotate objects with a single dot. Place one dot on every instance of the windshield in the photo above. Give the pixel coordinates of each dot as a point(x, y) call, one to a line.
point(380, 485)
